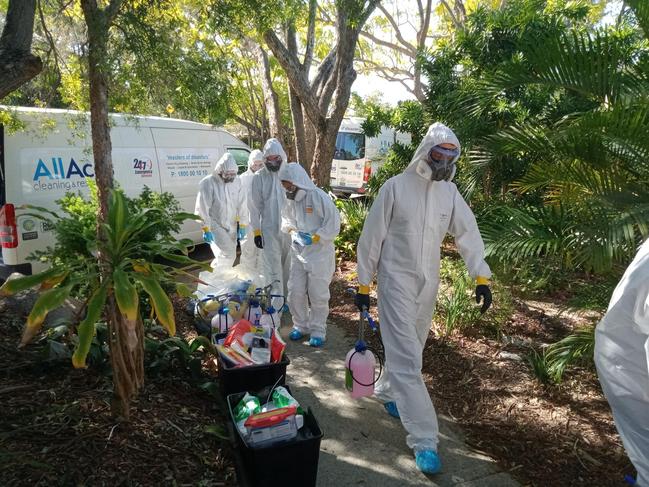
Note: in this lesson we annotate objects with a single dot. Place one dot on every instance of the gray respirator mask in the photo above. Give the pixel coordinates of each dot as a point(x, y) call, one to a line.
point(442, 162)
point(273, 164)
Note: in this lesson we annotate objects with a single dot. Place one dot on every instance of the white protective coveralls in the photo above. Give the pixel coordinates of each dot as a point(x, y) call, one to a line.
point(312, 266)
point(251, 255)
point(401, 241)
point(221, 205)
point(622, 359)
point(265, 204)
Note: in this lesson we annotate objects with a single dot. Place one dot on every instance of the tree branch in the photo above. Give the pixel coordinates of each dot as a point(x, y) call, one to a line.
point(451, 13)
point(425, 26)
point(296, 77)
point(368, 11)
point(112, 10)
point(17, 64)
point(310, 38)
point(420, 7)
point(410, 53)
point(50, 40)
point(324, 71)
point(377, 67)
point(397, 29)
point(250, 126)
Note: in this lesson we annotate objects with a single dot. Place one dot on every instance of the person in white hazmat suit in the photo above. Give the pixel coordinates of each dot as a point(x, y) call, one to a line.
point(401, 242)
point(622, 360)
point(250, 254)
point(221, 206)
point(265, 204)
point(312, 220)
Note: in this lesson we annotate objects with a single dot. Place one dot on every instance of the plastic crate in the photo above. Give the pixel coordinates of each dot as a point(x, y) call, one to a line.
point(293, 463)
point(252, 377)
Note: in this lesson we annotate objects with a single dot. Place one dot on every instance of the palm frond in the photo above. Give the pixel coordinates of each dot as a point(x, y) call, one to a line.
point(597, 64)
point(580, 346)
point(641, 10)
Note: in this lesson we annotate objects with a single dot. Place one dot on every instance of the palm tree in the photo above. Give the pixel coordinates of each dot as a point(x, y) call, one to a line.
point(590, 168)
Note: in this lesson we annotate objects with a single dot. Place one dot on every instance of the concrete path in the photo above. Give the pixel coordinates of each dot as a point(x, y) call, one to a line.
point(362, 444)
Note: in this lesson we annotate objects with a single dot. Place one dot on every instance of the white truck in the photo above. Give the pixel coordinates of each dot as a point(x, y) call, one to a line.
point(357, 156)
point(52, 155)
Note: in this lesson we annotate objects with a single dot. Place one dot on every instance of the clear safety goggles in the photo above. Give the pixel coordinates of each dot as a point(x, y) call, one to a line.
point(441, 155)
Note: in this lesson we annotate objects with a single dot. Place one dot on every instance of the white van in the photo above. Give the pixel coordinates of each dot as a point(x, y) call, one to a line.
point(52, 154)
point(357, 156)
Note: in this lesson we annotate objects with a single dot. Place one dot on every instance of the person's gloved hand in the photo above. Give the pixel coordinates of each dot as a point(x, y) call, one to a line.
point(241, 233)
point(259, 241)
point(208, 236)
point(362, 299)
point(483, 293)
point(306, 238)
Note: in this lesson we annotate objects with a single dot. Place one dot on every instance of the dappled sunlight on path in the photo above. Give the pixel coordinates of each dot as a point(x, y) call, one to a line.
point(362, 445)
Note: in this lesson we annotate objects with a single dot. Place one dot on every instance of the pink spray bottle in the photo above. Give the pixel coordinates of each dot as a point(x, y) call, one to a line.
point(360, 364)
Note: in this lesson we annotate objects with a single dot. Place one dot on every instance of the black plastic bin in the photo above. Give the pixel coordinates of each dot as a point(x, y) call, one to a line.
point(293, 463)
point(252, 377)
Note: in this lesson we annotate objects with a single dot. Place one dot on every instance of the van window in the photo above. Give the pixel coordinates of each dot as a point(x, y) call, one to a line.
point(241, 156)
point(349, 146)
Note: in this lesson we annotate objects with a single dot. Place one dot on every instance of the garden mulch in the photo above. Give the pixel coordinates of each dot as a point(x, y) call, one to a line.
point(56, 427)
point(544, 435)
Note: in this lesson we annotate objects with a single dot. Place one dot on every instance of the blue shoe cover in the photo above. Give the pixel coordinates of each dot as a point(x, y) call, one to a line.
point(316, 342)
point(295, 334)
point(427, 461)
point(391, 408)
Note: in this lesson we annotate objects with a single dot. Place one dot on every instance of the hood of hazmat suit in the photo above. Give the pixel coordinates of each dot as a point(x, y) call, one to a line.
point(255, 163)
point(312, 266)
point(622, 359)
point(439, 134)
point(400, 242)
point(265, 203)
point(226, 164)
point(221, 204)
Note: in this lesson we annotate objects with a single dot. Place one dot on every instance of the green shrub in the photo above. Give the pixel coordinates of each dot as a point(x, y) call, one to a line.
point(539, 365)
point(456, 306)
point(577, 348)
point(397, 160)
point(352, 216)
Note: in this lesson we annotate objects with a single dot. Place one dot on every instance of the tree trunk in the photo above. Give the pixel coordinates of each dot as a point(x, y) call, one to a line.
point(325, 146)
point(271, 99)
point(299, 134)
point(99, 120)
point(332, 78)
point(17, 64)
point(127, 363)
point(309, 143)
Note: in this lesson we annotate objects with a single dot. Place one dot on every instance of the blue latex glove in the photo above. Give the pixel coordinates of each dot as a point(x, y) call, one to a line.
point(241, 234)
point(208, 236)
point(306, 238)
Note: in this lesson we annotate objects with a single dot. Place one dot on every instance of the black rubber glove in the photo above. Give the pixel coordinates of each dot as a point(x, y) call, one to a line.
point(483, 293)
point(259, 242)
point(362, 301)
